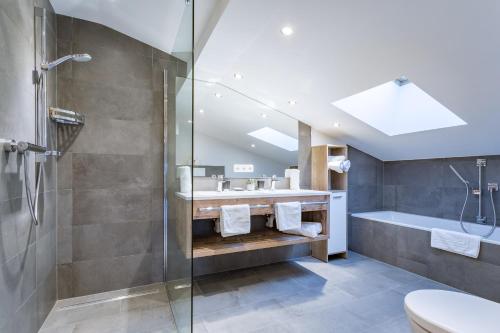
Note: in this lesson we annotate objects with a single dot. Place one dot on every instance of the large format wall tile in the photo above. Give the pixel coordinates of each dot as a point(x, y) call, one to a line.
point(429, 187)
point(111, 227)
point(93, 276)
point(105, 171)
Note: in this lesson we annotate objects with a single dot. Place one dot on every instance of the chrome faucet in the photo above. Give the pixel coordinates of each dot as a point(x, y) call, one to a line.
point(223, 183)
point(273, 183)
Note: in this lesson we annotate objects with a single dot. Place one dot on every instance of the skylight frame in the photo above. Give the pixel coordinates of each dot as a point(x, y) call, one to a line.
point(396, 109)
point(276, 138)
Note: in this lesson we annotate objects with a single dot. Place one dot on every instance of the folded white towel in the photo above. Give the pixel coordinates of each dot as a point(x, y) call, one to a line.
point(234, 220)
point(308, 229)
point(456, 242)
point(288, 215)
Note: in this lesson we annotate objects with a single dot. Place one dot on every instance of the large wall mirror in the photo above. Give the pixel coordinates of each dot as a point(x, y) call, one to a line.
point(240, 137)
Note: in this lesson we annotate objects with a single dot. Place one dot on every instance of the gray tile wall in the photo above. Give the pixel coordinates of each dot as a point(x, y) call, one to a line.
point(429, 187)
point(365, 179)
point(27, 253)
point(110, 234)
point(305, 161)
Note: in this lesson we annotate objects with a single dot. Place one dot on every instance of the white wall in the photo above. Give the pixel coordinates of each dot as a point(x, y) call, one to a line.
point(212, 151)
point(319, 138)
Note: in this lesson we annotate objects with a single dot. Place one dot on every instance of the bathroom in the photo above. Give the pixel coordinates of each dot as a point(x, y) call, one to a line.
point(246, 166)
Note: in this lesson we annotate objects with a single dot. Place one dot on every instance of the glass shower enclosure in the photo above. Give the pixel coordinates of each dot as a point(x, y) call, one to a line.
point(178, 162)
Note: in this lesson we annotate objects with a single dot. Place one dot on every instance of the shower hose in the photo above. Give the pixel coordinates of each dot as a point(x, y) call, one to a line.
point(32, 200)
point(488, 234)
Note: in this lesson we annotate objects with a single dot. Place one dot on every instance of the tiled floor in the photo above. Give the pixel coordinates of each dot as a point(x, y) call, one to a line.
point(137, 310)
point(356, 295)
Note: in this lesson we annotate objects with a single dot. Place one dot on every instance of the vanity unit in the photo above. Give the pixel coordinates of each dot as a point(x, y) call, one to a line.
point(206, 208)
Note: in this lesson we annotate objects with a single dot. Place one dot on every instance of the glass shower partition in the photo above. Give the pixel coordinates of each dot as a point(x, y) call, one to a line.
point(178, 161)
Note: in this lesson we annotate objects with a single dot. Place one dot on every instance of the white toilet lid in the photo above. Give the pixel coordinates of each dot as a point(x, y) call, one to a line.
point(441, 311)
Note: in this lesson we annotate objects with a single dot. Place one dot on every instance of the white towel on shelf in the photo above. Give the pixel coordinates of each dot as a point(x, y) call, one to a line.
point(234, 220)
point(308, 229)
point(456, 242)
point(288, 215)
point(294, 175)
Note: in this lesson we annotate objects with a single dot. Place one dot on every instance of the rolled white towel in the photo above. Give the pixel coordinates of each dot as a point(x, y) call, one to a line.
point(308, 229)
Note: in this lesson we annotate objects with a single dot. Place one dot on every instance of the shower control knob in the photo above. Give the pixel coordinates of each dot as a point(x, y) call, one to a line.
point(492, 186)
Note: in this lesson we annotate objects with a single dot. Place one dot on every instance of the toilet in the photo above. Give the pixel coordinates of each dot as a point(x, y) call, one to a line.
point(441, 311)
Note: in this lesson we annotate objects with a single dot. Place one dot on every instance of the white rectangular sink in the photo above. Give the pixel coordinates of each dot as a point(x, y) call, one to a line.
point(213, 195)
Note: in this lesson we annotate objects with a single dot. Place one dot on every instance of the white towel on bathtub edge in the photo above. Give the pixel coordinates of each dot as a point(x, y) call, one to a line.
point(456, 242)
point(288, 215)
point(234, 220)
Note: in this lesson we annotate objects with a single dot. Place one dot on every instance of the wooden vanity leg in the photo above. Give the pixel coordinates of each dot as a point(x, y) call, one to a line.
point(320, 250)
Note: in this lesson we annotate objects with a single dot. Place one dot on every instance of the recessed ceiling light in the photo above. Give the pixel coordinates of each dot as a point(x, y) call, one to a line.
point(336, 124)
point(202, 111)
point(292, 102)
point(238, 76)
point(263, 115)
point(218, 95)
point(252, 145)
point(287, 30)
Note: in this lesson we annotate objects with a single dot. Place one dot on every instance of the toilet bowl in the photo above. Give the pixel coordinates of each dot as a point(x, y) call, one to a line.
point(440, 311)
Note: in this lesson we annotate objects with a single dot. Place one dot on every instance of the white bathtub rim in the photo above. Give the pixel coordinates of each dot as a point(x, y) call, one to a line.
point(366, 216)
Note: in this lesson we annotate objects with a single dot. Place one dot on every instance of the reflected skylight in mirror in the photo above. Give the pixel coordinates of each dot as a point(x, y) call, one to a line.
point(394, 108)
point(276, 138)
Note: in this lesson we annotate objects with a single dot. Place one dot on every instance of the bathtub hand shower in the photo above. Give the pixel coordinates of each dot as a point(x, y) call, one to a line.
point(491, 187)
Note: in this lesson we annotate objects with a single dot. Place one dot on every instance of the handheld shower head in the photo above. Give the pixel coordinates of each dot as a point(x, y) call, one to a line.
point(458, 175)
point(84, 57)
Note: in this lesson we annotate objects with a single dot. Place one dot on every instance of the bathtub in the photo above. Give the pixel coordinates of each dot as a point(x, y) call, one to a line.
point(427, 223)
point(404, 240)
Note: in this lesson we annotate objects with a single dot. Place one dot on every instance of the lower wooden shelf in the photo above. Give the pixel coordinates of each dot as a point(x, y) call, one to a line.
point(216, 245)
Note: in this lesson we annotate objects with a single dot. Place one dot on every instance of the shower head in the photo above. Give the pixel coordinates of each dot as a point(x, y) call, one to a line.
point(458, 175)
point(84, 57)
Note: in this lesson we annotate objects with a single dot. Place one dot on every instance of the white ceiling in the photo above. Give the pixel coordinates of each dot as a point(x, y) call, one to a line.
point(449, 48)
point(164, 24)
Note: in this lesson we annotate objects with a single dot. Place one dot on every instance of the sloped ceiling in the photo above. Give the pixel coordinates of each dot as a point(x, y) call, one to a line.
point(449, 48)
point(155, 22)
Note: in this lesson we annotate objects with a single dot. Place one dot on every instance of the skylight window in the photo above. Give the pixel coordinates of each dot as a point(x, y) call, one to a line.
point(276, 138)
point(399, 107)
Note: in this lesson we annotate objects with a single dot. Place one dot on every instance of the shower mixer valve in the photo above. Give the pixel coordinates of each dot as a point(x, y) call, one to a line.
point(493, 187)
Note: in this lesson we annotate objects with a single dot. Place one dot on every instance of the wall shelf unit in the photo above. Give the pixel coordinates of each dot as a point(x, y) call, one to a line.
point(324, 179)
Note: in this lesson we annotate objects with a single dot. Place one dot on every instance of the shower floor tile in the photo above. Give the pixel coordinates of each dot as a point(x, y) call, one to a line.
point(355, 295)
point(138, 310)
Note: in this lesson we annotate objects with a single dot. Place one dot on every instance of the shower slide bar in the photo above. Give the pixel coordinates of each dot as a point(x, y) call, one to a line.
point(213, 209)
